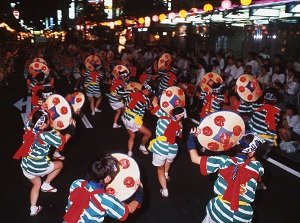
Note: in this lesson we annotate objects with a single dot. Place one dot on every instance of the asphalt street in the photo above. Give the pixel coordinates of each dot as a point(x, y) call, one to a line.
point(189, 190)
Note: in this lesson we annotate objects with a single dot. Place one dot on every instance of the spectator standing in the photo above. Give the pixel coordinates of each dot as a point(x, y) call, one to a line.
point(254, 64)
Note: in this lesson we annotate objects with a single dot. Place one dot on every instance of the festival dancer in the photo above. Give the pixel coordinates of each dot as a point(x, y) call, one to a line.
point(265, 117)
point(136, 103)
point(168, 80)
point(117, 91)
point(164, 146)
point(34, 151)
point(88, 201)
point(237, 179)
point(212, 101)
point(92, 86)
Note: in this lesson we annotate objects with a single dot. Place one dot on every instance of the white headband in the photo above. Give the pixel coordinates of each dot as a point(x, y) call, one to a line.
point(252, 146)
point(41, 120)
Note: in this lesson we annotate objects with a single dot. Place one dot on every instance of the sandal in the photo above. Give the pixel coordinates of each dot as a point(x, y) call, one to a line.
point(52, 190)
point(59, 157)
point(39, 208)
point(162, 193)
point(144, 151)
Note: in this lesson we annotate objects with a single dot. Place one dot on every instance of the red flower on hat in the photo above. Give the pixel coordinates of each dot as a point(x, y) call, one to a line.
point(207, 131)
point(78, 100)
point(165, 104)
point(249, 97)
point(218, 80)
point(169, 93)
point(128, 182)
point(219, 120)
point(51, 113)
point(60, 124)
point(177, 102)
point(111, 191)
point(241, 89)
point(124, 163)
point(224, 138)
point(237, 130)
point(63, 110)
point(243, 79)
point(228, 145)
point(55, 101)
point(213, 146)
point(211, 83)
point(180, 92)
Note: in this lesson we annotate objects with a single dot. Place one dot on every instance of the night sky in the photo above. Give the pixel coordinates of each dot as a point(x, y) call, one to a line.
point(36, 10)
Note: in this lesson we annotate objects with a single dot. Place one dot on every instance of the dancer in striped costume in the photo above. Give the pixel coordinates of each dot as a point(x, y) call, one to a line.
point(168, 79)
point(136, 104)
point(88, 201)
point(34, 151)
point(164, 146)
point(212, 100)
point(265, 117)
point(117, 92)
point(237, 179)
point(92, 86)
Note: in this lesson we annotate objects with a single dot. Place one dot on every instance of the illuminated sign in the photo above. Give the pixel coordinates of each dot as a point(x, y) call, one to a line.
point(95, 2)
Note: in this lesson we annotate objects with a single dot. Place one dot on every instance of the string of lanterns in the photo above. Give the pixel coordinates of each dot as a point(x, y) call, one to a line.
point(146, 21)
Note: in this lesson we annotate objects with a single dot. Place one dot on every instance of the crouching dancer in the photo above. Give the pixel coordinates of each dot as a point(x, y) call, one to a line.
point(38, 139)
point(237, 179)
point(88, 201)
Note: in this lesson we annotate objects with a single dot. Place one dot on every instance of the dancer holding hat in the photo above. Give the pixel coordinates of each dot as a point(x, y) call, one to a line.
point(237, 179)
point(117, 92)
point(136, 104)
point(35, 163)
point(88, 200)
point(92, 82)
point(164, 146)
point(265, 117)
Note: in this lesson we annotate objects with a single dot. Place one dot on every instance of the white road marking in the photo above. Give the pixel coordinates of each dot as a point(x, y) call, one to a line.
point(86, 122)
point(284, 167)
point(19, 105)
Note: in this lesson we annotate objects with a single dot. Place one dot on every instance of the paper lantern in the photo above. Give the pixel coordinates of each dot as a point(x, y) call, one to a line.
point(112, 25)
point(226, 4)
point(162, 17)
point(182, 14)
point(172, 15)
point(119, 22)
point(141, 20)
point(194, 10)
point(155, 18)
point(208, 8)
point(157, 37)
point(246, 2)
point(147, 21)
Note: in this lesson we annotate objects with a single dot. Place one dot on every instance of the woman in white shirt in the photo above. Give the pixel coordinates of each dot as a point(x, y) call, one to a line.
point(291, 90)
point(289, 130)
point(200, 71)
point(240, 68)
point(278, 76)
point(264, 78)
point(297, 65)
point(216, 68)
point(229, 71)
